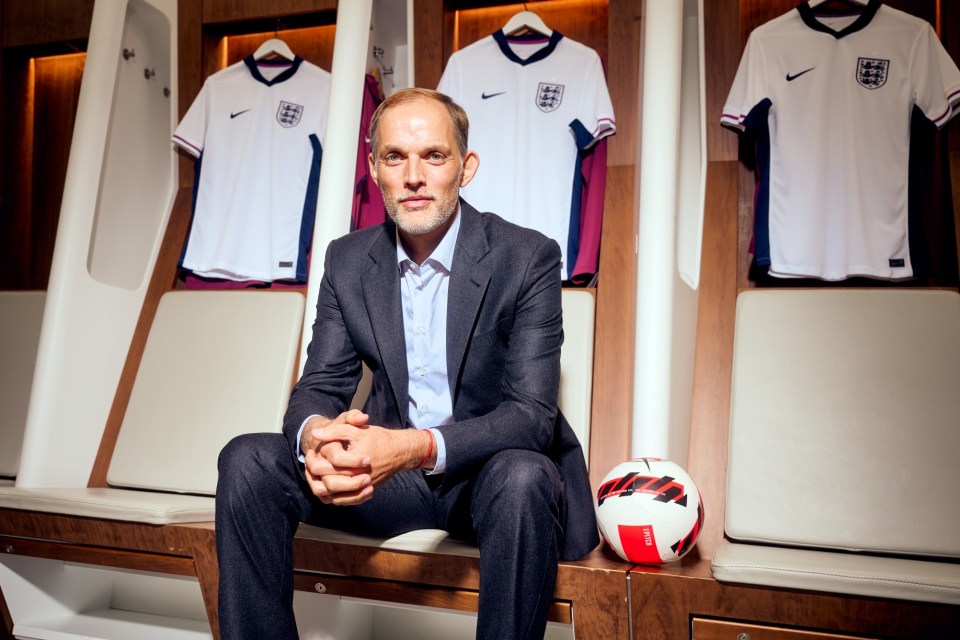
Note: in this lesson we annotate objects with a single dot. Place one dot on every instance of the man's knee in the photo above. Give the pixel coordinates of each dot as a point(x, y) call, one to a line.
point(249, 459)
point(523, 478)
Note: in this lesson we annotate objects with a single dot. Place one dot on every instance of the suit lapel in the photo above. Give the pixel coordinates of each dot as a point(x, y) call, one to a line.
point(381, 294)
point(468, 285)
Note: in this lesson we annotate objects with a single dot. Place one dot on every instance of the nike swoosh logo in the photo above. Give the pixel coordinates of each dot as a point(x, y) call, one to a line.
point(487, 96)
point(238, 113)
point(791, 78)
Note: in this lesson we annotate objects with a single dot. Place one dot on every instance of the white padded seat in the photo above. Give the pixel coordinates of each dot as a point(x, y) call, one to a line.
point(113, 504)
point(838, 572)
point(576, 363)
point(845, 422)
point(216, 364)
point(417, 541)
point(21, 315)
point(576, 390)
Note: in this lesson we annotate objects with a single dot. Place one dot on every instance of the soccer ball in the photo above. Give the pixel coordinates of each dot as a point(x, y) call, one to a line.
point(649, 511)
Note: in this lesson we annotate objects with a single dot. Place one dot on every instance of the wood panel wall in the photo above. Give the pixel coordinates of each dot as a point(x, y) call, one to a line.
point(37, 22)
point(56, 95)
point(16, 219)
point(40, 72)
point(225, 11)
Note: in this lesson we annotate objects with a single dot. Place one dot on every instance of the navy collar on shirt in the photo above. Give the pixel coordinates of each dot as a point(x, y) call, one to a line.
point(547, 49)
point(285, 75)
point(866, 16)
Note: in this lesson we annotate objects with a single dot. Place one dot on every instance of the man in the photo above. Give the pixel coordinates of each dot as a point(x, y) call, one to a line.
point(457, 315)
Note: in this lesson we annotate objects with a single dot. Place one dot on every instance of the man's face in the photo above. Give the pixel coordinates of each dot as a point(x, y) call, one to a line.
point(418, 166)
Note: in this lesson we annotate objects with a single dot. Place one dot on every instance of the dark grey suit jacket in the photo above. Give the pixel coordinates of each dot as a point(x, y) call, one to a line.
point(504, 331)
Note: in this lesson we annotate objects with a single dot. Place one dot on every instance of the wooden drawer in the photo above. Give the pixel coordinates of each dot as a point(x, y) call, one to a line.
point(704, 629)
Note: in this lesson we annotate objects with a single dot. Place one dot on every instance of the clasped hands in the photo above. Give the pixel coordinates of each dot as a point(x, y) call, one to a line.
point(345, 458)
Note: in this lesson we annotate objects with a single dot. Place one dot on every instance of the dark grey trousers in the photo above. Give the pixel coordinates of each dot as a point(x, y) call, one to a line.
point(509, 509)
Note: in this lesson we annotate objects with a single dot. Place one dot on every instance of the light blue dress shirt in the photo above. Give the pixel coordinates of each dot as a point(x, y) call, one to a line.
point(423, 296)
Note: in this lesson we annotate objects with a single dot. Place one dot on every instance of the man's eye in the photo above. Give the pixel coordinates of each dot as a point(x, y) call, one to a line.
point(391, 158)
point(436, 156)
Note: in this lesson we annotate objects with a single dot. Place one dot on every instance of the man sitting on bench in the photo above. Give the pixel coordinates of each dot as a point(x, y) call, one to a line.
point(457, 315)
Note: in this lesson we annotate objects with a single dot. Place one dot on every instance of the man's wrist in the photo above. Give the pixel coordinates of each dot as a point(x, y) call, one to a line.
point(429, 459)
point(306, 438)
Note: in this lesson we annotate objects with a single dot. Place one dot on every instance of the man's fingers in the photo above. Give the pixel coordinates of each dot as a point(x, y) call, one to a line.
point(320, 464)
point(341, 490)
point(317, 465)
point(317, 487)
point(345, 484)
point(336, 431)
point(346, 490)
point(354, 416)
point(341, 458)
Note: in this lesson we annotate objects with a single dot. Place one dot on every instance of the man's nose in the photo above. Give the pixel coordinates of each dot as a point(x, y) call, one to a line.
point(413, 173)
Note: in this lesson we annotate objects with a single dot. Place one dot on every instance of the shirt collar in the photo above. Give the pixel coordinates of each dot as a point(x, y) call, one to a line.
point(867, 13)
point(443, 254)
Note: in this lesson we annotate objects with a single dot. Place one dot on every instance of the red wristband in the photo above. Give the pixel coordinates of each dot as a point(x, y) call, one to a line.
point(426, 458)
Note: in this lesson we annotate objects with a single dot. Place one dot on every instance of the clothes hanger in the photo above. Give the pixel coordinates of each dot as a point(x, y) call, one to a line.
point(526, 21)
point(273, 49)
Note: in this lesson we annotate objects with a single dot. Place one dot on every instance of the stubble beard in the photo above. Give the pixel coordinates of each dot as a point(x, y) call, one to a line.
point(440, 210)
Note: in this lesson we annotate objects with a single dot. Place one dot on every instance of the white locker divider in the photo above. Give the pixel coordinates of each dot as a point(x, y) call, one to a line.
point(672, 180)
point(117, 198)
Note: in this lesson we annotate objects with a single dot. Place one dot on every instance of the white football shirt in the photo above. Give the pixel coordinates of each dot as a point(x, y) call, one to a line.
point(256, 128)
point(830, 99)
point(533, 104)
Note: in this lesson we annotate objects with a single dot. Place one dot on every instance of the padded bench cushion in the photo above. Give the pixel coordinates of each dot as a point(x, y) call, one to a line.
point(418, 541)
point(113, 504)
point(843, 432)
point(216, 364)
point(576, 363)
point(845, 420)
point(21, 315)
point(838, 572)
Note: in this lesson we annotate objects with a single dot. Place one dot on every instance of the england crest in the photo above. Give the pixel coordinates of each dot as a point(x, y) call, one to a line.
point(872, 72)
point(288, 115)
point(549, 96)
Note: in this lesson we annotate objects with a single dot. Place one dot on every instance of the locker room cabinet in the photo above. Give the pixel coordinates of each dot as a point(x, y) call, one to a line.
point(215, 32)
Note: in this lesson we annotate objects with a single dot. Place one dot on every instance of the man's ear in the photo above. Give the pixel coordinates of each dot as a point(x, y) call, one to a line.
point(470, 165)
point(373, 168)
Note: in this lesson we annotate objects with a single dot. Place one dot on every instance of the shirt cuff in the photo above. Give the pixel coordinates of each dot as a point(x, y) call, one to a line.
point(441, 465)
point(302, 458)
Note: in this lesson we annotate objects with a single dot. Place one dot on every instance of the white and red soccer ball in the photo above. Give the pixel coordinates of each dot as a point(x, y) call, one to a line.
point(649, 511)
